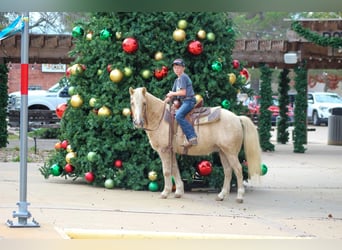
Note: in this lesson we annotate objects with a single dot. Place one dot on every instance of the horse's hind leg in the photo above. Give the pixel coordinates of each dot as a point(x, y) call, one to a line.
point(227, 177)
point(234, 162)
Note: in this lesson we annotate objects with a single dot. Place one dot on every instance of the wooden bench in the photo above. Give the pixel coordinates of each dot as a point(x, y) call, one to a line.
point(37, 118)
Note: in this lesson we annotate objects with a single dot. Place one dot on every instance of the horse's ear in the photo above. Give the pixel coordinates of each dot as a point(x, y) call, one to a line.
point(144, 91)
point(131, 90)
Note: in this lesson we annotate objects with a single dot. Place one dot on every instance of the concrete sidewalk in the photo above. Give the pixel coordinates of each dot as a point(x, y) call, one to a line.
point(299, 197)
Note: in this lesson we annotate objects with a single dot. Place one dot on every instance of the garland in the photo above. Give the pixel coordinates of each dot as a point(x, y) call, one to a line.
point(300, 126)
point(3, 105)
point(283, 125)
point(316, 38)
point(264, 122)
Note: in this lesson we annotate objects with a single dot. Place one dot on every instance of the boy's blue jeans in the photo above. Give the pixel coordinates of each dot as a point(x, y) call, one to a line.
point(184, 109)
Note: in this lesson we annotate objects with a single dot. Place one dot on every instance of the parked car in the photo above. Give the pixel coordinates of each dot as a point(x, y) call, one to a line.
point(320, 105)
point(254, 109)
point(40, 99)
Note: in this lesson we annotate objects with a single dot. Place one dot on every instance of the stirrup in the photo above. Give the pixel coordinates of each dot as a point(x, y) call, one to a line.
point(191, 142)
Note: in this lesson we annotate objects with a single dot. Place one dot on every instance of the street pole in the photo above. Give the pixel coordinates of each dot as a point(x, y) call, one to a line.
point(23, 214)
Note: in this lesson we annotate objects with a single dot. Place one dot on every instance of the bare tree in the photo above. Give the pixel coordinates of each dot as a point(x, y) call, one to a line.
point(46, 22)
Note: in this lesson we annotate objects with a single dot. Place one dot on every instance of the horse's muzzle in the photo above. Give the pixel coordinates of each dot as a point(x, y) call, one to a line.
point(138, 123)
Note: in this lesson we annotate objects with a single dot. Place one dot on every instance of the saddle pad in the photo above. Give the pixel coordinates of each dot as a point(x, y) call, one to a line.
point(212, 116)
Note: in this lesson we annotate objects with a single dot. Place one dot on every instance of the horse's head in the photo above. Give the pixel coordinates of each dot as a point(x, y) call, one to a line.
point(138, 106)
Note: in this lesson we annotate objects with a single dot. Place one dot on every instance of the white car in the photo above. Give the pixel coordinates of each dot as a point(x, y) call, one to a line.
point(40, 99)
point(320, 105)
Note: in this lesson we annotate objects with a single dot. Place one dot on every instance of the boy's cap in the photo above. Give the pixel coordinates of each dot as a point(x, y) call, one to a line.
point(179, 62)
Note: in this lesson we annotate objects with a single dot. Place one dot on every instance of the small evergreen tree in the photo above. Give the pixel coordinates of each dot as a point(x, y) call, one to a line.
point(3, 105)
point(99, 130)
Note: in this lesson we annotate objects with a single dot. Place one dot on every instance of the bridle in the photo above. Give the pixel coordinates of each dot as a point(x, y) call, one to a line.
point(145, 118)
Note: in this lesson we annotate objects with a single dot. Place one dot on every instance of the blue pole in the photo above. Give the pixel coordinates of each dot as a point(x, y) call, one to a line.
point(23, 214)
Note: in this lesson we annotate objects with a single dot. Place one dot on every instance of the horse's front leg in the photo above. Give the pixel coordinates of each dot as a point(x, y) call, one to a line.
point(166, 165)
point(177, 178)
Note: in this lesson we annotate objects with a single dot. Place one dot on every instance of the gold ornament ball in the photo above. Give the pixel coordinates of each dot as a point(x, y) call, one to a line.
point(126, 112)
point(69, 148)
point(76, 101)
point(69, 156)
point(198, 98)
point(104, 111)
point(158, 56)
point(92, 102)
point(89, 36)
point(75, 69)
point(201, 34)
point(118, 35)
point(179, 35)
point(232, 78)
point(116, 75)
point(152, 175)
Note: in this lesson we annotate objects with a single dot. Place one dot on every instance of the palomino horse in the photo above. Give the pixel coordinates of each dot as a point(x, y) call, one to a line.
point(224, 136)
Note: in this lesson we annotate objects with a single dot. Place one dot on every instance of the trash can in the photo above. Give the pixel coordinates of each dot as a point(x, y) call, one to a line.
point(335, 127)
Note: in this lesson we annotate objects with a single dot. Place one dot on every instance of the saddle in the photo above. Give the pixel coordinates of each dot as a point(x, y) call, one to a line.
point(199, 115)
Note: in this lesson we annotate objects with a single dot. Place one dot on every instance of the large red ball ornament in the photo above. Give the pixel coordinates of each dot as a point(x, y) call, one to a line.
point(245, 73)
point(195, 47)
point(89, 177)
point(236, 64)
point(68, 168)
point(130, 45)
point(158, 73)
point(204, 168)
point(60, 110)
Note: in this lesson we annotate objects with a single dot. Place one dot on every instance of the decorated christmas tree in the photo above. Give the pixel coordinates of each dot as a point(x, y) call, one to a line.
point(115, 51)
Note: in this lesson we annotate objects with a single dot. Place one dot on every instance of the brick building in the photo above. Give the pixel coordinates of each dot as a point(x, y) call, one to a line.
point(41, 76)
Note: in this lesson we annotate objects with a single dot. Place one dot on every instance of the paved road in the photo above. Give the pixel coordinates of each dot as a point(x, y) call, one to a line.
point(299, 197)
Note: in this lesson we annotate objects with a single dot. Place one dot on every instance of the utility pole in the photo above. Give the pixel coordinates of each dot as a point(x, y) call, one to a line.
point(23, 214)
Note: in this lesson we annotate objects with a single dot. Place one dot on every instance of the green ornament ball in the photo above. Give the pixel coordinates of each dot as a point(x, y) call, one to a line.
point(263, 169)
point(153, 186)
point(56, 170)
point(225, 104)
point(105, 34)
point(216, 66)
point(231, 31)
point(77, 32)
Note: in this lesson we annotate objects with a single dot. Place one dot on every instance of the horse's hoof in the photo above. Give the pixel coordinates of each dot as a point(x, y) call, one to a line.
point(163, 196)
point(239, 200)
point(218, 198)
point(178, 195)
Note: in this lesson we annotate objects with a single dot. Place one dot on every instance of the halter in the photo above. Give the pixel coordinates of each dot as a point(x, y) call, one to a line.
point(160, 120)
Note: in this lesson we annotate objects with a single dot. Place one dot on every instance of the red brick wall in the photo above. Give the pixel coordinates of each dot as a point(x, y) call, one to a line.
point(36, 77)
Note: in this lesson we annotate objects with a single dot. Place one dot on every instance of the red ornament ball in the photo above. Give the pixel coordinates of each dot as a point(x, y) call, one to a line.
point(64, 144)
point(118, 163)
point(68, 168)
point(204, 168)
point(89, 177)
point(130, 45)
point(60, 110)
point(236, 64)
point(195, 47)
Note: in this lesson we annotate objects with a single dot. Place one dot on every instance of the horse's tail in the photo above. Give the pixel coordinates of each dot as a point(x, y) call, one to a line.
point(251, 146)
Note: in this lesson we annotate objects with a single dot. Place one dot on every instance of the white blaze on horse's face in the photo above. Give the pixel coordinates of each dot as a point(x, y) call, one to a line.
point(138, 106)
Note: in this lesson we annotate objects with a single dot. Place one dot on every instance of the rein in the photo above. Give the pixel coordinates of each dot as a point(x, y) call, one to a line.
point(160, 120)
